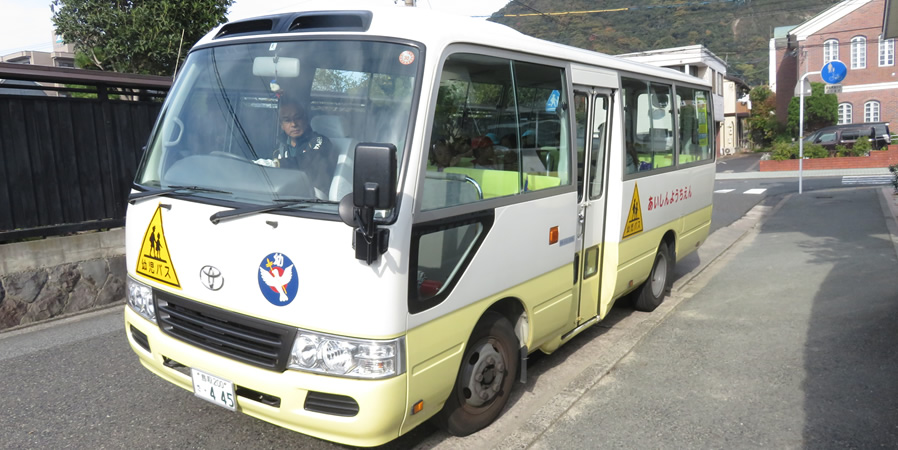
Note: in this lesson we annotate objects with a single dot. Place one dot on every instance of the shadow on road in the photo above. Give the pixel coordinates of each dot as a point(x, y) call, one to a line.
point(850, 361)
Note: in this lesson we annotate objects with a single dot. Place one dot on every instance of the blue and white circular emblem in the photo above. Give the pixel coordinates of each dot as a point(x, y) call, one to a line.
point(277, 279)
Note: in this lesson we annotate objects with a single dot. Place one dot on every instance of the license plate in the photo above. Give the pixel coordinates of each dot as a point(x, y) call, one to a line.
point(214, 389)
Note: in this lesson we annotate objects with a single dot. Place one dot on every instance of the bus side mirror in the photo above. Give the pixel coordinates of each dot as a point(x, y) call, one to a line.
point(374, 176)
point(373, 188)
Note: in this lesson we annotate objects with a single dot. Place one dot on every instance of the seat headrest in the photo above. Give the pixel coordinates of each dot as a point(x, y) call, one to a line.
point(330, 126)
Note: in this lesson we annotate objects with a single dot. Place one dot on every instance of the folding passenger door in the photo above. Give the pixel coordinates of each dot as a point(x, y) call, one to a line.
point(592, 108)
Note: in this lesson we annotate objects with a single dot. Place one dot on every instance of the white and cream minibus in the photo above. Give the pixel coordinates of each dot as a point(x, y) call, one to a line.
point(483, 195)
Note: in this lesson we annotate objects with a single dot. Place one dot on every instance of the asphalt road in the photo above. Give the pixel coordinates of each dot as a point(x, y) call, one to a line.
point(750, 347)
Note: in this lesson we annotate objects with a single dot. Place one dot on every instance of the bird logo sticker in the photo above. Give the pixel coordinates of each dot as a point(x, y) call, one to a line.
point(277, 279)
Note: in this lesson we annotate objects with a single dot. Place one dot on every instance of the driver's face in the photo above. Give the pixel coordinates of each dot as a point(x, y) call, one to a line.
point(293, 121)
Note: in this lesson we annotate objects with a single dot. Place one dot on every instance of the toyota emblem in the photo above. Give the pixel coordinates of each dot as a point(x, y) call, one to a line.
point(211, 277)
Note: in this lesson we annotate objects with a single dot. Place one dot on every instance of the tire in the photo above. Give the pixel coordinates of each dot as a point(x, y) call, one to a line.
point(652, 292)
point(491, 355)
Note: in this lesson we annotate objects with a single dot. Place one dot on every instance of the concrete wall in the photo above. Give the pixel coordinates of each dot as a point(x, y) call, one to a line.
point(56, 276)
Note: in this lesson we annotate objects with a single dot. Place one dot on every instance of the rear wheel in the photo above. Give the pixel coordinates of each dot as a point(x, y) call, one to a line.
point(653, 291)
point(484, 381)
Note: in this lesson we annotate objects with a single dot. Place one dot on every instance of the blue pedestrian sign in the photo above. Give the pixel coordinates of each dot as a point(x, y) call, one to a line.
point(833, 72)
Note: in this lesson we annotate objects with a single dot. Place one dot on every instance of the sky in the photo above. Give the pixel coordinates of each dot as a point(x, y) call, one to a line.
point(27, 25)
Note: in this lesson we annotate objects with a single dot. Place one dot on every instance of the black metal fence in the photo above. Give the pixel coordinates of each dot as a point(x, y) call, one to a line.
point(66, 164)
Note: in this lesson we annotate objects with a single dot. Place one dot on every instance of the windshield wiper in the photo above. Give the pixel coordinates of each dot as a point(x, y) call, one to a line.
point(305, 200)
point(172, 190)
point(280, 203)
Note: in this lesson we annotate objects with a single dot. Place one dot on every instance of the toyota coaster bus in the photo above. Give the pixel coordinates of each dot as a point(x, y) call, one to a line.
point(487, 195)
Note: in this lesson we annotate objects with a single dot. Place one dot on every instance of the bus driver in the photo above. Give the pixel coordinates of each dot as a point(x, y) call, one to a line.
point(302, 148)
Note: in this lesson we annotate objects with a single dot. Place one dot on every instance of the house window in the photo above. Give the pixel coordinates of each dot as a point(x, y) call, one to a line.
point(886, 52)
point(830, 51)
point(871, 111)
point(858, 52)
point(844, 113)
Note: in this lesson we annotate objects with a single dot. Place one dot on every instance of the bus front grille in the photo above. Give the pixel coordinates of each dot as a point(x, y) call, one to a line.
point(252, 341)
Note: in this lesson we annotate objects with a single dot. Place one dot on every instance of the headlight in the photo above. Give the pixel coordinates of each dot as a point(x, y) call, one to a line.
point(140, 299)
point(353, 358)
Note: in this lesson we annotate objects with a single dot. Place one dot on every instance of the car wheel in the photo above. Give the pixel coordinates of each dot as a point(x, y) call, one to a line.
point(485, 378)
point(655, 288)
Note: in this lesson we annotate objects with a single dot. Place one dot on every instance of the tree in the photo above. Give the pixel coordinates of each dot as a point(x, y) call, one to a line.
point(820, 110)
point(762, 120)
point(135, 36)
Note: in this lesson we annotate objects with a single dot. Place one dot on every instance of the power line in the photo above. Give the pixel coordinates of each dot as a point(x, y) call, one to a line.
point(627, 8)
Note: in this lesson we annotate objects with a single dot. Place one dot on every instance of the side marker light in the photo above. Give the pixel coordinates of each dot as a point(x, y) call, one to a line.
point(553, 235)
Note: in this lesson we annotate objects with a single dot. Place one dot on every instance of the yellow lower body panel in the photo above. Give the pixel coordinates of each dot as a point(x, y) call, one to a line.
point(435, 349)
point(636, 254)
point(381, 402)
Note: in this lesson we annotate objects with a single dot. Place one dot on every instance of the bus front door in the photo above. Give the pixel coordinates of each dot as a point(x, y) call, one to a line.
point(592, 110)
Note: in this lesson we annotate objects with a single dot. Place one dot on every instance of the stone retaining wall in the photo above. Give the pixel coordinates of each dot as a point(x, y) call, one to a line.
point(61, 275)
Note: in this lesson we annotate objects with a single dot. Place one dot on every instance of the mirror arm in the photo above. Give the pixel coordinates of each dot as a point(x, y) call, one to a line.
point(369, 241)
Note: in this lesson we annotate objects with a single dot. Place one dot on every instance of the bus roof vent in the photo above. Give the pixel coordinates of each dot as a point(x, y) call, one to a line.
point(332, 21)
point(256, 26)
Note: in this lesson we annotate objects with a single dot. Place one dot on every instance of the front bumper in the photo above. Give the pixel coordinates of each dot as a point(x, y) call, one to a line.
point(381, 403)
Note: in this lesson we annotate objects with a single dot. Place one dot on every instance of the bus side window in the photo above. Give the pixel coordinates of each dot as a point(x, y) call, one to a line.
point(649, 125)
point(437, 254)
point(694, 125)
point(499, 123)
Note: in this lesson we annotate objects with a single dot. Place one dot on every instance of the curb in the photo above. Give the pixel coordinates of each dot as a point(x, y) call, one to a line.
point(805, 174)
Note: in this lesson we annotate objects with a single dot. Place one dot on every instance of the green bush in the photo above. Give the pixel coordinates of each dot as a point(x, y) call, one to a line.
point(894, 170)
point(862, 145)
point(854, 151)
point(789, 150)
point(781, 151)
point(815, 151)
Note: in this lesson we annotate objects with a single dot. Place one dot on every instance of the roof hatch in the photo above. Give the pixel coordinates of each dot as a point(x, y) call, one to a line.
point(358, 21)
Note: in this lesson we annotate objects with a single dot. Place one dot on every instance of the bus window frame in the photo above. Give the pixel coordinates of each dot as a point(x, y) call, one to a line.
point(492, 203)
point(677, 165)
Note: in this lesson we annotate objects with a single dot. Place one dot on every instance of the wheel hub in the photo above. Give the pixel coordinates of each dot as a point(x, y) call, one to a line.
point(484, 372)
point(659, 277)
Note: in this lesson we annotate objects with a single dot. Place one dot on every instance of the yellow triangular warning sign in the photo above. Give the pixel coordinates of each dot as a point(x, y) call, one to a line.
point(634, 218)
point(154, 261)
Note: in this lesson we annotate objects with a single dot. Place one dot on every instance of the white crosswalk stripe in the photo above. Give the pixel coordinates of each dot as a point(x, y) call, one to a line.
point(748, 192)
point(866, 180)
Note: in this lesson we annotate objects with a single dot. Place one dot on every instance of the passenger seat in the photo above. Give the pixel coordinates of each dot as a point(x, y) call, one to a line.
point(332, 127)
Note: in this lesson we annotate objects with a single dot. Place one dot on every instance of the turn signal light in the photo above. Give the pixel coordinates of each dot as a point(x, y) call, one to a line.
point(553, 235)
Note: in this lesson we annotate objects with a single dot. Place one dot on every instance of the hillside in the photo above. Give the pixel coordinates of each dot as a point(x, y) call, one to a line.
point(738, 31)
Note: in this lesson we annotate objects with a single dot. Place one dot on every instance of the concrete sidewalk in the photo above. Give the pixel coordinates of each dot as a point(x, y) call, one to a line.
point(805, 174)
point(785, 340)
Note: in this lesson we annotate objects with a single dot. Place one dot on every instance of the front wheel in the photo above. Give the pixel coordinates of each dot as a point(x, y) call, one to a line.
point(484, 381)
point(655, 288)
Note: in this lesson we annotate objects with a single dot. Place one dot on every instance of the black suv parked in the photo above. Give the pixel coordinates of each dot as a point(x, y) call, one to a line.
point(846, 135)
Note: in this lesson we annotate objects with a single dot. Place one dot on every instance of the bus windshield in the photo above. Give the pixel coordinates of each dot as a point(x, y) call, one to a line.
point(261, 123)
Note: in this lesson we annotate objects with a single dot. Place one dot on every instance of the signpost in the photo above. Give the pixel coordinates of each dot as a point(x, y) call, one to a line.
point(803, 88)
point(832, 73)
